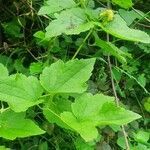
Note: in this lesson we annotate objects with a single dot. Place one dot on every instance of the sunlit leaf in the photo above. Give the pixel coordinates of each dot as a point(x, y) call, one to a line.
point(71, 21)
point(119, 28)
point(13, 125)
point(52, 6)
point(69, 77)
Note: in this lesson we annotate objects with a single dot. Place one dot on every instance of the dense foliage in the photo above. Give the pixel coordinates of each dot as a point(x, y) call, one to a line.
point(74, 74)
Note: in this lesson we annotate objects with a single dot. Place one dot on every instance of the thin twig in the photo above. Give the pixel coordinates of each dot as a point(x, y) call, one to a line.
point(143, 16)
point(114, 90)
point(101, 3)
point(112, 80)
point(143, 25)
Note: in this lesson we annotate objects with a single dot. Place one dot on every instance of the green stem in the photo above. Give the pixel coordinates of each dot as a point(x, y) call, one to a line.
point(80, 47)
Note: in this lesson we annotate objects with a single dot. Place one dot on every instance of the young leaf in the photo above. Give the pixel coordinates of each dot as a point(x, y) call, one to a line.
point(71, 21)
point(13, 125)
point(20, 92)
point(119, 28)
point(111, 49)
point(123, 3)
point(69, 77)
point(53, 6)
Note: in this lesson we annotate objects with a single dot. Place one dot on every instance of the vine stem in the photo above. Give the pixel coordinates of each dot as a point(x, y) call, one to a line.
point(143, 16)
point(80, 47)
point(113, 88)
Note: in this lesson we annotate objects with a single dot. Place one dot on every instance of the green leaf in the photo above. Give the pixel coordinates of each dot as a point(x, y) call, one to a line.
point(20, 92)
point(123, 3)
point(142, 80)
point(80, 144)
point(101, 110)
point(85, 128)
point(69, 77)
point(147, 104)
point(4, 148)
point(88, 106)
point(53, 109)
point(119, 28)
point(12, 29)
point(13, 125)
point(111, 114)
point(52, 6)
point(88, 112)
point(19, 67)
point(140, 146)
point(71, 21)
point(3, 71)
point(53, 116)
point(129, 16)
point(121, 142)
point(36, 68)
point(142, 136)
point(111, 49)
point(131, 77)
point(7, 61)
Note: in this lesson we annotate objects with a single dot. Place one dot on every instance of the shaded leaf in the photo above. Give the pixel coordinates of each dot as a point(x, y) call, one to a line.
point(142, 136)
point(111, 49)
point(3, 71)
point(121, 142)
point(80, 144)
point(53, 109)
point(4, 148)
point(147, 104)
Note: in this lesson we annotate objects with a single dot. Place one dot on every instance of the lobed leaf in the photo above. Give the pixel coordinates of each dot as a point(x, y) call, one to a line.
point(69, 77)
point(90, 111)
point(13, 125)
point(19, 91)
point(71, 21)
point(52, 6)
